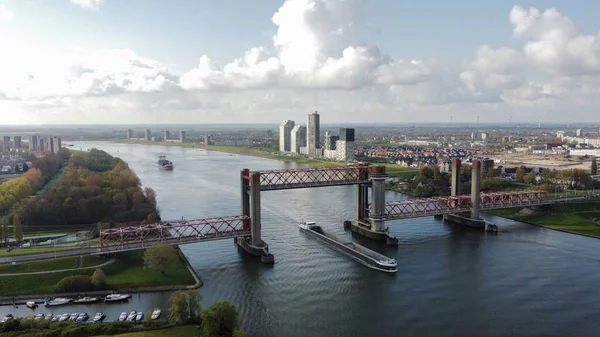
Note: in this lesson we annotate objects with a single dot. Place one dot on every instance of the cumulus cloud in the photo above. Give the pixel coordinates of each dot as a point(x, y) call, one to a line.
point(92, 4)
point(5, 13)
point(317, 59)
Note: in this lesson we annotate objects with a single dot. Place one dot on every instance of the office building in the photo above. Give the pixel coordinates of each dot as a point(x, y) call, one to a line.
point(56, 144)
point(166, 135)
point(285, 136)
point(483, 135)
point(6, 142)
point(129, 134)
point(148, 135)
point(16, 142)
point(33, 142)
point(344, 146)
point(579, 133)
point(330, 141)
point(298, 138)
point(346, 134)
point(313, 130)
point(182, 136)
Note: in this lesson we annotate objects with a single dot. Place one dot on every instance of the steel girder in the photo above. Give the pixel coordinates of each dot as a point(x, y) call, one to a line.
point(174, 232)
point(414, 208)
point(313, 177)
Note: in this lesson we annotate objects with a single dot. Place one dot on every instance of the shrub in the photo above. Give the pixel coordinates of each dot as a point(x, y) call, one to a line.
point(99, 279)
point(75, 283)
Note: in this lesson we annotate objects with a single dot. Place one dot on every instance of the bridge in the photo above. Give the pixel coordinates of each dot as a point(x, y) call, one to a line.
point(369, 219)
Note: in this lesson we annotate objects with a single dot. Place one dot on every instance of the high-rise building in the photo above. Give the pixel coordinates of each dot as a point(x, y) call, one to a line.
point(330, 141)
point(483, 135)
point(182, 136)
point(298, 138)
point(579, 133)
point(33, 142)
point(6, 142)
point(347, 134)
point(129, 134)
point(166, 135)
point(313, 130)
point(148, 135)
point(16, 142)
point(56, 144)
point(285, 136)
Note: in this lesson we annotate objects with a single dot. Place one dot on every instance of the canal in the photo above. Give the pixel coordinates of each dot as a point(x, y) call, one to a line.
point(524, 281)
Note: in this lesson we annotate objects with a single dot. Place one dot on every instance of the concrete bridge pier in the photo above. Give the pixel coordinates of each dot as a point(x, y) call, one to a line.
point(372, 225)
point(472, 219)
point(253, 245)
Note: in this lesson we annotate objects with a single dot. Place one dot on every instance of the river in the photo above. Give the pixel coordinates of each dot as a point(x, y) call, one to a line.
point(452, 281)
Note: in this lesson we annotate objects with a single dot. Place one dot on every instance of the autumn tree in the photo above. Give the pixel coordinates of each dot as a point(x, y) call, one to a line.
point(160, 257)
point(220, 320)
point(35, 178)
point(194, 306)
point(178, 311)
point(98, 278)
point(520, 174)
point(17, 229)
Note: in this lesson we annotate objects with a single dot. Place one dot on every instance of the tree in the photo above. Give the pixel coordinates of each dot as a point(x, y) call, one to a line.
point(520, 174)
point(160, 257)
point(18, 230)
point(530, 178)
point(594, 169)
point(194, 307)
point(178, 311)
point(5, 228)
point(25, 167)
point(98, 278)
point(220, 320)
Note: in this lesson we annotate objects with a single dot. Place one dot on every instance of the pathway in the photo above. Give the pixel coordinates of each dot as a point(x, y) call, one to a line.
point(60, 270)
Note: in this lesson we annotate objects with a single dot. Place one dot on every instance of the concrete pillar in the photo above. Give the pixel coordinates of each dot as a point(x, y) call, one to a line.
point(475, 189)
point(255, 208)
point(455, 188)
point(245, 186)
point(361, 201)
point(377, 216)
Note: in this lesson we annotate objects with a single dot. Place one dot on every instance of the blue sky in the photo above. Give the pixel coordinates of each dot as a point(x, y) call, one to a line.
point(439, 62)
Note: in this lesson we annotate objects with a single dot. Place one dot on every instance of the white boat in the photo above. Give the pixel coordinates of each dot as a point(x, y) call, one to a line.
point(31, 305)
point(139, 316)
point(58, 301)
point(7, 318)
point(131, 316)
point(85, 300)
point(38, 316)
point(123, 316)
point(155, 313)
point(99, 317)
point(116, 297)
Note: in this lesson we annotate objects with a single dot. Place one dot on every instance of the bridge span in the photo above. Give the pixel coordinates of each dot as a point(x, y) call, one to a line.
point(369, 219)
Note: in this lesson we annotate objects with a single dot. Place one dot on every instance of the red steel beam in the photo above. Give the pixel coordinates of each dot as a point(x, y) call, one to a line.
point(313, 177)
point(174, 232)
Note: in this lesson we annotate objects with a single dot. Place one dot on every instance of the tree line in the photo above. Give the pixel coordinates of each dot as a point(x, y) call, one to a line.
point(92, 187)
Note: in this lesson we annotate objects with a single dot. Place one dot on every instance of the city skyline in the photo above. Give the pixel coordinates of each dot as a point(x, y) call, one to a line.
point(339, 57)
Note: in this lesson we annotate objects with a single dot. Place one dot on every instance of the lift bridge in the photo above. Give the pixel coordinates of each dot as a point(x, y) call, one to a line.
point(369, 218)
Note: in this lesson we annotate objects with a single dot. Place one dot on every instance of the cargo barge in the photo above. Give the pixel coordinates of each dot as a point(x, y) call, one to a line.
point(360, 253)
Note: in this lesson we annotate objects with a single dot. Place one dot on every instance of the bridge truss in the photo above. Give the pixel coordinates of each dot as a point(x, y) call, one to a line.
point(312, 177)
point(414, 208)
point(172, 233)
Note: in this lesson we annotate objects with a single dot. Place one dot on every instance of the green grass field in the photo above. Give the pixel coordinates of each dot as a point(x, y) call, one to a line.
point(178, 331)
point(572, 217)
point(127, 271)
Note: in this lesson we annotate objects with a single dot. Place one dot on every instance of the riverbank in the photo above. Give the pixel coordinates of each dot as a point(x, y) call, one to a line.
point(126, 274)
point(392, 169)
point(576, 218)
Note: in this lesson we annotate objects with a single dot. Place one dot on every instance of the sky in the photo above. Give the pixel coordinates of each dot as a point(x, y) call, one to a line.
point(243, 61)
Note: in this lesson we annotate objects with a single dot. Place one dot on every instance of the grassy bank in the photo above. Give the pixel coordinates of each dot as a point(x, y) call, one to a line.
point(178, 331)
point(392, 169)
point(49, 265)
point(580, 218)
point(126, 272)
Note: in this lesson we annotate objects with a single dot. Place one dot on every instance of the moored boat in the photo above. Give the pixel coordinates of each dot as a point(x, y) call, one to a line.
point(116, 297)
point(7, 318)
point(99, 317)
point(84, 300)
point(366, 256)
point(155, 313)
point(57, 301)
point(139, 316)
point(131, 316)
point(31, 305)
point(123, 316)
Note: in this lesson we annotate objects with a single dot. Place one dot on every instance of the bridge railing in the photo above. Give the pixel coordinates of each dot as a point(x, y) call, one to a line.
point(413, 208)
point(174, 232)
point(312, 177)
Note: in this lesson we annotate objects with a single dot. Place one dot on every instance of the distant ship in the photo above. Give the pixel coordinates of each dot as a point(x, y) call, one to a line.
point(164, 164)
